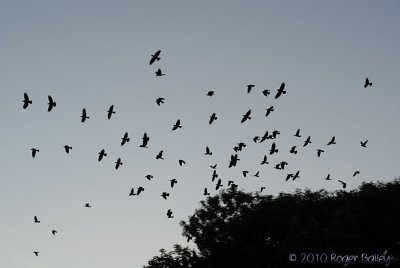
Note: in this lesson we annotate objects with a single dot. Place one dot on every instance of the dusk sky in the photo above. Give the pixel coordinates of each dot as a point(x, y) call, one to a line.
point(93, 54)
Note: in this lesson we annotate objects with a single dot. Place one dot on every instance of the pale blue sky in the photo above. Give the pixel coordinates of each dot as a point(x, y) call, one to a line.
point(95, 53)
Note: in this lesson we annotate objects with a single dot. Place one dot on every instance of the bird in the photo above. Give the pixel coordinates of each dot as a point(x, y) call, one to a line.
point(262, 189)
point(269, 110)
point(266, 92)
point(230, 182)
point(169, 213)
point(319, 152)
point(181, 162)
point(264, 161)
point(233, 160)
point(110, 112)
point(307, 141)
point(296, 175)
point(282, 165)
point(288, 176)
point(145, 140)
point(356, 173)
point(36, 253)
point(249, 87)
point(102, 154)
point(132, 192)
point(328, 178)
point(51, 103)
point(54, 232)
point(245, 172)
point(213, 166)
point(160, 100)
point(67, 148)
point(26, 101)
point(257, 175)
point(293, 150)
point(177, 125)
point(275, 133)
point(210, 93)
point(205, 192)
point(297, 133)
point(273, 149)
point(160, 155)
point(265, 137)
point(256, 138)
point(149, 177)
point(34, 151)
point(332, 141)
point(87, 205)
point(118, 163)
point(246, 116)
point(364, 143)
point(367, 83)
point(280, 90)
point(173, 182)
point(213, 117)
point(125, 139)
point(165, 195)
point(218, 185)
point(36, 220)
point(159, 73)
point(84, 115)
point(343, 184)
point(214, 175)
point(208, 151)
point(239, 147)
point(155, 57)
point(139, 190)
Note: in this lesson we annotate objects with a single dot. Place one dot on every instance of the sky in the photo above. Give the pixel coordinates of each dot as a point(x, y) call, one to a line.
point(93, 54)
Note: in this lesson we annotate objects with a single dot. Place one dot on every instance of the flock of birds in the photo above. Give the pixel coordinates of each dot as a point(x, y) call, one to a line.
point(234, 158)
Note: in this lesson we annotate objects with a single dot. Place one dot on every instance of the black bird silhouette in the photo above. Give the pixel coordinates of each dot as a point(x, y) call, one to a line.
point(319, 152)
point(159, 73)
point(264, 161)
point(265, 137)
point(145, 140)
point(169, 213)
point(26, 101)
point(307, 141)
point(132, 192)
point(343, 184)
point(256, 138)
point(214, 166)
point(67, 148)
point(36, 253)
point(87, 205)
point(160, 155)
point(282, 165)
point(118, 163)
point(84, 115)
point(262, 189)
point(364, 143)
point(257, 174)
point(296, 175)
point(36, 220)
point(332, 141)
point(206, 192)
point(149, 177)
point(125, 139)
point(367, 83)
point(245, 172)
point(173, 182)
point(54, 232)
point(177, 125)
point(356, 173)
point(269, 110)
point(213, 117)
point(233, 161)
point(297, 133)
point(159, 101)
point(328, 178)
point(293, 150)
point(165, 195)
point(181, 162)
point(210, 93)
point(102, 154)
point(288, 176)
point(230, 182)
point(280, 90)
point(266, 92)
point(218, 185)
point(246, 116)
point(51, 103)
point(239, 147)
point(273, 149)
point(208, 151)
point(249, 87)
point(34, 151)
point(139, 190)
point(275, 133)
point(155, 57)
point(214, 175)
point(110, 112)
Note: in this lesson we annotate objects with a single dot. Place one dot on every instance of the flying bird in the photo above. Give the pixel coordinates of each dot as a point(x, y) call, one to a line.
point(181, 162)
point(269, 110)
point(177, 125)
point(273, 149)
point(332, 141)
point(84, 115)
point(288, 176)
point(213, 166)
point(328, 178)
point(125, 139)
point(169, 213)
point(155, 57)
point(343, 184)
point(367, 83)
point(36, 253)
point(87, 205)
point(257, 174)
point(293, 150)
point(34, 151)
point(307, 141)
point(132, 192)
point(145, 140)
point(159, 73)
point(256, 138)
point(139, 190)
point(296, 175)
point(159, 101)
point(233, 160)
point(249, 87)
point(102, 154)
point(206, 192)
point(264, 161)
point(356, 173)
point(266, 92)
point(173, 182)
point(218, 185)
point(118, 163)
point(208, 151)
point(262, 189)
point(149, 177)
point(297, 133)
point(213, 117)
point(54, 232)
point(210, 93)
point(51, 103)
point(36, 220)
point(364, 143)
point(280, 90)
point(246, 116)
point(110, 112)
point(319, 152)
point(160, 155)
point(67, 148)
point(214, 175)
point(165, 195)
point(245, 172)
point(26, 101)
